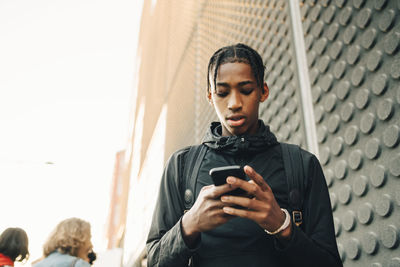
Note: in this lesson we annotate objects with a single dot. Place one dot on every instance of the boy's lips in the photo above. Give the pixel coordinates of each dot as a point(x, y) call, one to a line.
point(236, 121)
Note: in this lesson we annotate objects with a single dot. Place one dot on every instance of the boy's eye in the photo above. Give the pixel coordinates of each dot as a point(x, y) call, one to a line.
point(221, 93)
point(247, 91)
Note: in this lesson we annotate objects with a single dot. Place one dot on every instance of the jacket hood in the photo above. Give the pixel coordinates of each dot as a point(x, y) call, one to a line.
point(241, 144)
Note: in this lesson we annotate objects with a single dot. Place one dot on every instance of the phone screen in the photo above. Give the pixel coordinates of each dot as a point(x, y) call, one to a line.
point(220, 174)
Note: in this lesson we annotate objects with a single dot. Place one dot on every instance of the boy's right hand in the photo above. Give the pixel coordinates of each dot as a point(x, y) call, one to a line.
point(206, 213)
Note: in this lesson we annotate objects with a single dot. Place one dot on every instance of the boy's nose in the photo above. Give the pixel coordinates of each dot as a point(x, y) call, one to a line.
point(235, 101)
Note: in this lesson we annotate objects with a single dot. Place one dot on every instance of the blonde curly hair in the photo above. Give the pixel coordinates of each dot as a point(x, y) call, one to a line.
point(68, 237)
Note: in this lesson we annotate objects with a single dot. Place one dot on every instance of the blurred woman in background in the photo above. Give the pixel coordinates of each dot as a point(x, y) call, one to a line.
point(68, 245)
point(13, 246)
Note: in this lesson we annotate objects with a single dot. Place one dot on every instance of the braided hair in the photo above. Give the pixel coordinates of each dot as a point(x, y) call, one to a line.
point(236, 53)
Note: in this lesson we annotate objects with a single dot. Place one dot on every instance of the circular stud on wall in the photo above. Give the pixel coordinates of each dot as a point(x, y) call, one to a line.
point(378, 175)
point(369, 243)
point(360, 185)
point(372, 148)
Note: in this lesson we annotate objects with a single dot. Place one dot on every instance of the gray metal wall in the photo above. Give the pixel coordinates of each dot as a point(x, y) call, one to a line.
point(354, 70)
point(343, 97)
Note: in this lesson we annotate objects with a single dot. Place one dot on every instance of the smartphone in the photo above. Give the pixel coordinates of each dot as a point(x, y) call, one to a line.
point(220, 174)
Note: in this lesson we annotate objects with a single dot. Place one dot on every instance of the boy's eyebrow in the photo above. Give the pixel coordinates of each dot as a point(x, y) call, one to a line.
point(243, 83)
point(222, 84)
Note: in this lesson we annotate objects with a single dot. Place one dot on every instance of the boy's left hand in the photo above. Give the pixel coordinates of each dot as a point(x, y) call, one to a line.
point(261, 208)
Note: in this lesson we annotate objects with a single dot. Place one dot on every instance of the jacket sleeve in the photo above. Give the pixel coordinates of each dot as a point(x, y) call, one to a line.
point(165, 245)
point(315, 244)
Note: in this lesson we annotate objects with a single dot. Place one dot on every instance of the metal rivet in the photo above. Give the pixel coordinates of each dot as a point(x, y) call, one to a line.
point(349, 34)
point(345, 194)
point(339, 69)
point(322, 133)
point(351, 135)
point(317, 29)
point(326, 83)
point(370, 243)
point(345, 15)
point(364, 18)
point(340, 3)
point(342, 90)
point(384, 205)
point(332, 31)
point(389, 236)
point(379, 4)
point(360, 185)
point(395, 69)
point(355, 159)
point(367, 123)
point(330, 103)
point(385, 109)
point(336, 49)
point(379, 84)
point(341, 169)
point(362, 99)
point(319, 114)
point(357, 76)
point(378, 176)
point(349, 221)
point(364, 213)
point(347, 112)
point(394, 165)
point(372, 148)
point(391, 136)
point(386, 20)
point(358, 3)
point(353, 54)
point(374, 60)
point(316, 94)
point(333, 123)
point(391, 42)
point(352, 248)
point(325, 156)
point(368, 38)
point(337, 146)
point(323, 63)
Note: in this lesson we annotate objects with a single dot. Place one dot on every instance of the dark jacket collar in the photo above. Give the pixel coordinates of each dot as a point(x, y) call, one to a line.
point(239, 144)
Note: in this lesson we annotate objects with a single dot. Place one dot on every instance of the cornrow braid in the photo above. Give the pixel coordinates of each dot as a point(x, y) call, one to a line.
point(235, 53)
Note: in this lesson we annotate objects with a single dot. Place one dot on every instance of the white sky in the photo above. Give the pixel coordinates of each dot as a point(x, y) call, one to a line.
point(66, 78)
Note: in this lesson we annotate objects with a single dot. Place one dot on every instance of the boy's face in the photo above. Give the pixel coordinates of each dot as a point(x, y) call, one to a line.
point(236, 98)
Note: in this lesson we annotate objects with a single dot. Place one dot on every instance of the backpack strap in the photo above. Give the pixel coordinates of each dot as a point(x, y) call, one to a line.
point(191, 169)
point(294, 169)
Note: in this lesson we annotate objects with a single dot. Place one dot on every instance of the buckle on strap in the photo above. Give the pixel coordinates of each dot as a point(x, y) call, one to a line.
point(297, 217)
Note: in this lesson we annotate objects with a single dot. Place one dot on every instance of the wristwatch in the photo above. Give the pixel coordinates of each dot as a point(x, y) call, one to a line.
point(283, 226)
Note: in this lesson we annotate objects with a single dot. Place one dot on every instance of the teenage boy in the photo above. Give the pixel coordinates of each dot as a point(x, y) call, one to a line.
point(255, 229)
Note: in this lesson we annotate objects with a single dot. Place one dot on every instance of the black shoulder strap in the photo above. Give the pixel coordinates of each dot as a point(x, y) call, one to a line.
point(294, 169)
point(190, 171)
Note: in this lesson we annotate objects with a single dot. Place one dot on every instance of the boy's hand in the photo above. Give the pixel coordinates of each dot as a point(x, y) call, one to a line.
point(207, 212)
point(261, 208)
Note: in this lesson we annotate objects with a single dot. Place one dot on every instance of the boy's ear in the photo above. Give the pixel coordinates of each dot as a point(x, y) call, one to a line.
point(264, 93)
point(209, 97)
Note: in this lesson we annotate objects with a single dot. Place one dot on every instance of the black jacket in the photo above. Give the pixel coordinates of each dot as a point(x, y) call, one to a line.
point(241, 242)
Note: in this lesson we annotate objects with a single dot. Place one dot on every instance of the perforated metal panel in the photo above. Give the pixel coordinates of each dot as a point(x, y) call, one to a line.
point(354, 69)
